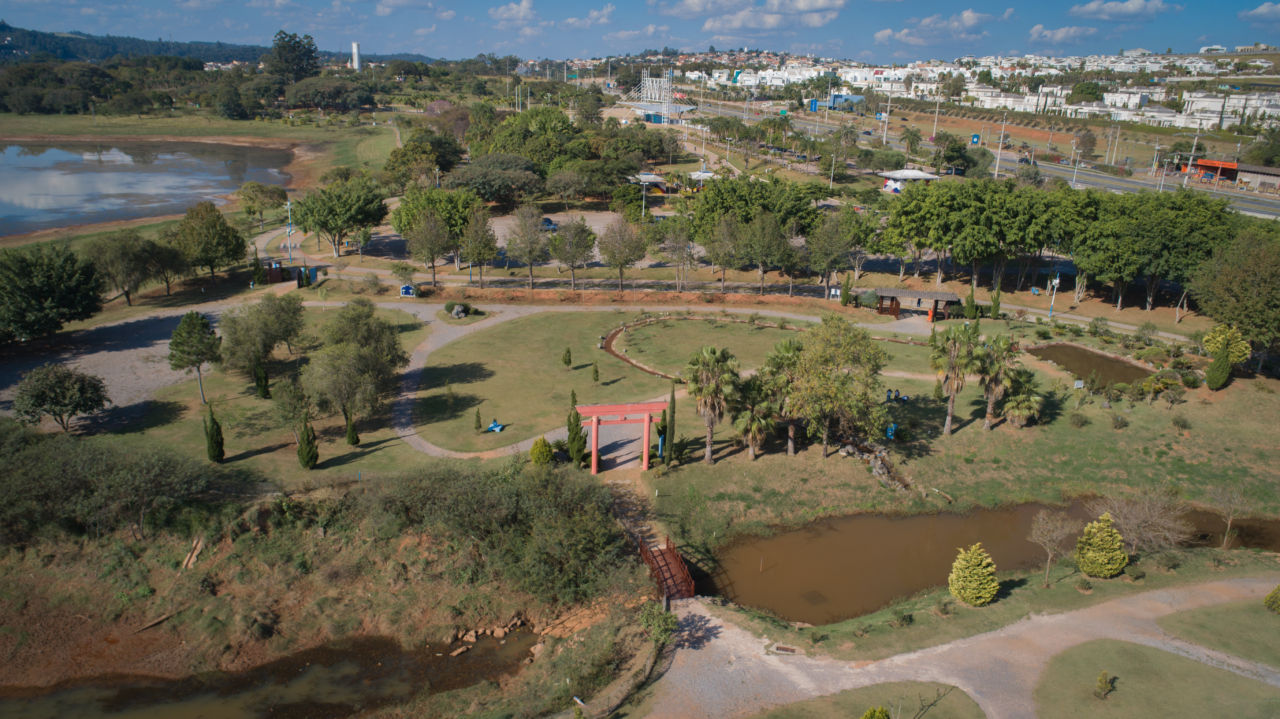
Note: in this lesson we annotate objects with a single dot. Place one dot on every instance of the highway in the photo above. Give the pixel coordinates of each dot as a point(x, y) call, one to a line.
point(1256, 206)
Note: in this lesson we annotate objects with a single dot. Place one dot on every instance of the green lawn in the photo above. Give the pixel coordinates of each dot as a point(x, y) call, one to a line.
point(256, 440)
point(667, 345)
point(1150, 683)
point(513, 373)
point(900, 698)
point(1245, 629)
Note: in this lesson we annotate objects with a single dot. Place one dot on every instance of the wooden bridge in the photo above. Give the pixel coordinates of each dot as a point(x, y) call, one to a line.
point(667, 569)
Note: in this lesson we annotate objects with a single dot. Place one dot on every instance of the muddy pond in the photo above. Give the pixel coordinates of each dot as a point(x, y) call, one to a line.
point(1082, 361)
point(332, 681)
point(836, 569)
point(55, 184)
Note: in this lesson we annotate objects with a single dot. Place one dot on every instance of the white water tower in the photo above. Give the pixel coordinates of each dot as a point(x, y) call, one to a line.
point(355, 56)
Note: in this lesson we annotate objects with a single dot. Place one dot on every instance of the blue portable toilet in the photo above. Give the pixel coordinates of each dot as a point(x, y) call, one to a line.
point(408, 291)
point(313, 273)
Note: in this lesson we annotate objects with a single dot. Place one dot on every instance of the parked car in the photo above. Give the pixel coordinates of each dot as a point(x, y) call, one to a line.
point(1023, 161)
point(549, 226)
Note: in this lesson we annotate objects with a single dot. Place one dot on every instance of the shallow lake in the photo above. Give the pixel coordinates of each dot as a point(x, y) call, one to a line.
point(1082, 361)
point(333, 681)
point(836, 569)
point(47, 185)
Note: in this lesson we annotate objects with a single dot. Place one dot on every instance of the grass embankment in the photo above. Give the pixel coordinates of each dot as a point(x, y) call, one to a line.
point(514, 373)
point(258, 440)
point(1242, 628)
point(933, 616)
point(900, 698)
point(1149, 683)
point(668, 344)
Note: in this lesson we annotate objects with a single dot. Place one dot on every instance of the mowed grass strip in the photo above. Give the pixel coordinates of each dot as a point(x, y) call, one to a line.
point(514, 373)
point(1245, 629)
point(668, 344)
point(900, 698)
point(1150, 683)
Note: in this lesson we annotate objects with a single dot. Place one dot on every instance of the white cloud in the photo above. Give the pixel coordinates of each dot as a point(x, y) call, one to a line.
point(420, 32)
point(594, 17)
point(1008, 13)
point(964, 26)
point(1266, 12)
point(647, 31)
point(386, 7)
point(514, 13)
point(754, 19)
point(691, 8)
point(446, 14)
point(1059, 36)
point(1121, 9)
point(762, 16)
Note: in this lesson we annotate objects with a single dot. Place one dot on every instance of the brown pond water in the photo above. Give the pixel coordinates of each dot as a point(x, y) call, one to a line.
point(332, 681)
point(840, 568)
point(1082, 361)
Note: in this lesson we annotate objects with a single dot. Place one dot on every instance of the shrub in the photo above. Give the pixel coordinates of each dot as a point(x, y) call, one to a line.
point(1180, 422)
point(540, 452)
point(1219, 373)
point(973, 577)
point(1099, 327)
point(1084, 585)
point(1168, 561)
point(971, 311)
point(659, 624)
point(1078, 420)
point(1190, 379)
point(876, 713)
point(1075, 330)
point(1043, 334)
point(1106, 684)
point(868, 299)
point(995, 305)
point(1146, 333)
point(901, 619)
point(1119, 422)
point(1100, 549)
point(1135, 573)
point(448, 307)
point(1272, 601)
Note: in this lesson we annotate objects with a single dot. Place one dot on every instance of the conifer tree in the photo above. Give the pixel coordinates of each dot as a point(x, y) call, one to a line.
point(540, 452)
point(973, 577)
point(479, 424)
point(669, 452)
point(1100, 549)
point(213, 438)
point(567, 358)
point(308, 450)
point(576, 444)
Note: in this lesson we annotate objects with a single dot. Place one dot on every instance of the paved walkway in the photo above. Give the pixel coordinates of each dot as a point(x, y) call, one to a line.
point(721, 670)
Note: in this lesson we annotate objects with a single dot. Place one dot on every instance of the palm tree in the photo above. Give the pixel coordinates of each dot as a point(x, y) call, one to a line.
point(911, 138)
point(780, 371)
point(754, 413)
point(996, 360)
point(953, 357)
point(712, 378)
point(1025, 401)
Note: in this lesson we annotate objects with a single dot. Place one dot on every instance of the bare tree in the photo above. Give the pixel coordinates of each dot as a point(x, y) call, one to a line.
point(1149, 522)
point(1051, 530)
point(1230, 501)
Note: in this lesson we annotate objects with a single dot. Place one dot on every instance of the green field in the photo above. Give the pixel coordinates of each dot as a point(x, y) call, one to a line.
point(900, 698)
point(667, 345)
point(513, 373)
point(1150, 683)
point(1245, 629)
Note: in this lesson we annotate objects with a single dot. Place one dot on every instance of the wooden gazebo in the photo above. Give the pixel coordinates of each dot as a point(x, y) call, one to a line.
point(890, 301)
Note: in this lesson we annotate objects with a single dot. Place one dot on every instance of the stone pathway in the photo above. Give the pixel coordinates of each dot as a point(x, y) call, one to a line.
point(721, 670)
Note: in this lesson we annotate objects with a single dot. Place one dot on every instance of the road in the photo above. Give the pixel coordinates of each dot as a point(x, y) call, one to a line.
point(1256, 206)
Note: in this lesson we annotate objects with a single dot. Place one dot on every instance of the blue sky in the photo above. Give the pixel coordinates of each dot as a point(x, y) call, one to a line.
point(869, 30)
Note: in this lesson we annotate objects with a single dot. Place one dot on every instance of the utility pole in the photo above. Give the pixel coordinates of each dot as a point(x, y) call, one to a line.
point(937, 105)
point(1156, 157)
point(1194, 145)
point(1000, 143)
point(888, 108)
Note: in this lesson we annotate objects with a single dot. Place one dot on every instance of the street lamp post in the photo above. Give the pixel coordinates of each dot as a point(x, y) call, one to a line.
point(1054, 295)
point(288, 233)
point(1076, 170)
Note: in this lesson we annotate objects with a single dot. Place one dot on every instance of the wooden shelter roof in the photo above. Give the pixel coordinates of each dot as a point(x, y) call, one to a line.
point(917, 294)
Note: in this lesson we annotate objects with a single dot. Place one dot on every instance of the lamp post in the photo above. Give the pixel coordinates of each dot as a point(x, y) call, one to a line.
point(288, 233)
point(1054, 283)
point(1076, 170)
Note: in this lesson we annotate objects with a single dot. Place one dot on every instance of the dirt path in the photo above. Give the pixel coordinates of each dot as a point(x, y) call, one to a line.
point(721, 670)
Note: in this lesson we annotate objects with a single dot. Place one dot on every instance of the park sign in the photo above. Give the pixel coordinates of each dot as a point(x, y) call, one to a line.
point(975, 139)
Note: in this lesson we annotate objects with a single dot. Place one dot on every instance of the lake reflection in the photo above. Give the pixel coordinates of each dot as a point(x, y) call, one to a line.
point(44, 185)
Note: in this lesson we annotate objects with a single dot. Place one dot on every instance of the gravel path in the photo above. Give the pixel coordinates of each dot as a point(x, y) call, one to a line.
point(721, 670)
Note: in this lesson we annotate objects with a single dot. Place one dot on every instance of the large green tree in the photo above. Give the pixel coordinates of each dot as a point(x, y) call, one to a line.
point(42, 288)
point(428, 239)
point(1240, 286)
point(292, 57)
point(453, 207)
point(953, 354)
point(528, 242)
point(712, 380)
point(573, 246)
point(256, 198)
point(194, 345)
point(763, 244)
point(60, 392)
point(207, 240)
point(341, 208)
point(829, 249)
point(621, 247)
point(780, 372)
point(996, 360)
point(479, 244)
point(837, 381)
point(123, 260)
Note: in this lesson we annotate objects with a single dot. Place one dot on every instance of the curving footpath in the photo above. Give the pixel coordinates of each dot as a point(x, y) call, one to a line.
point(721, 670)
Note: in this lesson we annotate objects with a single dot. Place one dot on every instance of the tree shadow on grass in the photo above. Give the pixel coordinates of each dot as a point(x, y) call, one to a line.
point(353, 454)
point(259, 451)
point(256, 423)
point(137, 417)
point(434, 376)
point(1009, 585)
point(441, 408)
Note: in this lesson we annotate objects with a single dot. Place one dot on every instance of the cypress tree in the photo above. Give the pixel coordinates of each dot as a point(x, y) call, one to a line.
point(567, 358)
point(308, 451)
point(1100, 549)
point(573, 398)
point(1218, 373)
point(479, 425)
point(846, 291)
point(995, 305)
point(973, 577)
point(353, 439)
point(213, 438)
point(576, 444)
point(260, 380)
point(671, 427)
point(595, 372)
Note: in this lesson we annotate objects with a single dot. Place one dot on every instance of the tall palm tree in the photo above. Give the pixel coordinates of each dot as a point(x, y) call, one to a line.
point(911, 138)
point(712, 378)
point(996, 360)
point(1025, 401)
point(780, 372)
point(953, 357)
point(753, 413)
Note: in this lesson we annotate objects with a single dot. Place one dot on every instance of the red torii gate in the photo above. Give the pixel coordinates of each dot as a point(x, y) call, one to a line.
point(596, 411)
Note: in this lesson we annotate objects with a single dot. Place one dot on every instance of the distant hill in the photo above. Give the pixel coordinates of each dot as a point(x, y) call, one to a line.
point(19, 45)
